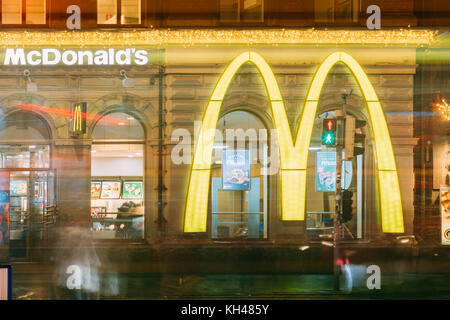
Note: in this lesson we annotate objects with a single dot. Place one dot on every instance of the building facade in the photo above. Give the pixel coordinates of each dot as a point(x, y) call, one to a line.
point(150, 93)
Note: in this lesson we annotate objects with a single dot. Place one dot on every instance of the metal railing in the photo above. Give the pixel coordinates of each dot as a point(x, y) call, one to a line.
point(321, 221)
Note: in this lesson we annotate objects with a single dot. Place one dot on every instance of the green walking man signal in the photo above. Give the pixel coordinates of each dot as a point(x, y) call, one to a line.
point(329, 132)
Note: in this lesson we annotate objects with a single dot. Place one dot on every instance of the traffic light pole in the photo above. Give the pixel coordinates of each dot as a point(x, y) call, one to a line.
point(337, 222)
point(338, 201)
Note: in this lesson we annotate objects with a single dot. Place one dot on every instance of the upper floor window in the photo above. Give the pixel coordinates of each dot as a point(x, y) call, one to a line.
point(24, 11)
point(232, 11)
point(129, 11)
point(336, 11)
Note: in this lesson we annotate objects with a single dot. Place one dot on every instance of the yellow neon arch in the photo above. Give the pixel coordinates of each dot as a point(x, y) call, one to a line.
point(293, 157)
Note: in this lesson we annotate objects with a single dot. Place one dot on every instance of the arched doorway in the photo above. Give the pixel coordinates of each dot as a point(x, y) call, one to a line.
point(239, 178)
point(117, 177)
point(28, 188)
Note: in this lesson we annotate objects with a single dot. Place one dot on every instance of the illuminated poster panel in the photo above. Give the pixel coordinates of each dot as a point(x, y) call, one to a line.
point(19, 187)
point(326, 172)
point(445, 214)
point(236, 170)
point(110, 190)
point(96, 188)
point(132, 190)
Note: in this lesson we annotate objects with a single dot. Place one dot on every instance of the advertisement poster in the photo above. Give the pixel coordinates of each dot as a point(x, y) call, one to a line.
point(132, 190)
point(326, 172)
point(236, 170)
point(19, 187)
point(110, 190)
point(96, 188)
point(445, 214)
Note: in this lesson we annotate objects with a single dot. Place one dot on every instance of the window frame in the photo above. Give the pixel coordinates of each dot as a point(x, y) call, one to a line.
point(240, 20)
point(355, 20)
point(24, 17)
point(119, 24)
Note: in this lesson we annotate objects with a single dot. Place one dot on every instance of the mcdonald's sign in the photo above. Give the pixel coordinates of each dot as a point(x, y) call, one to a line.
point(78, 121)
point(294, 153)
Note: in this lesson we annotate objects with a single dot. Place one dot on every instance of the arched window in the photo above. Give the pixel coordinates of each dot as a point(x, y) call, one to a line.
point(26, 177)
point(117, 177)
point(239, 187)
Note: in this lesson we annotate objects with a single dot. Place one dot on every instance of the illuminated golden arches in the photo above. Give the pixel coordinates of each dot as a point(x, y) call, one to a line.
point(293, 157)
point(197, 198)
point(388, 185)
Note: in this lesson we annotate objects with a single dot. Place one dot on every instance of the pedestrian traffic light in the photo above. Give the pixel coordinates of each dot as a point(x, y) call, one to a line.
point(352, 137)
point(329, 132)
point(347, 207)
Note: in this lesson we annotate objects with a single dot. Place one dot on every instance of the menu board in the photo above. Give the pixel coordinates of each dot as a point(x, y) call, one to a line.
point(18, 187)
point(132, 190)
point(110, 190)
point(96, 188)
point(445, 214)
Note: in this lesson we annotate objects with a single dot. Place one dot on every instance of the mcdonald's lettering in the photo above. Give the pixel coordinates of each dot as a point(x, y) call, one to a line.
point(294, 153)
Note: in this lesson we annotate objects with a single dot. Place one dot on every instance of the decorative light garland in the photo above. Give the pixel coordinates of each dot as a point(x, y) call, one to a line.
point(442, 107)
point(191, 37)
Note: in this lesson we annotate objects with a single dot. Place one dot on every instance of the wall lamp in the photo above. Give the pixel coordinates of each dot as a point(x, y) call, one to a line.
point(31, 86)
point(126, 82)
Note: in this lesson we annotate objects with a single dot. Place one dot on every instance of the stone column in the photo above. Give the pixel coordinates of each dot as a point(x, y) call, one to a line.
point(72, 161)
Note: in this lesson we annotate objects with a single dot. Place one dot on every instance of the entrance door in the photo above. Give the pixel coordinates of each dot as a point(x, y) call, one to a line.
point(31, 208)
point(236, 214)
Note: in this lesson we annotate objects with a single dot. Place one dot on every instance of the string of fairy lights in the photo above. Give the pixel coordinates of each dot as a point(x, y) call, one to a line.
point(191, 37)
point(441, 106)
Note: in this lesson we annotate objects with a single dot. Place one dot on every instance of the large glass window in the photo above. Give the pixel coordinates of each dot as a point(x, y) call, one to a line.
point(128, 10)
point(35, 11)
point(239, 186)
point(117, 178)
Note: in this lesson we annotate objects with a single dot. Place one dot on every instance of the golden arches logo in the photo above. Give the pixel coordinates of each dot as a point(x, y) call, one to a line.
point(294, 154)
point(77, 122)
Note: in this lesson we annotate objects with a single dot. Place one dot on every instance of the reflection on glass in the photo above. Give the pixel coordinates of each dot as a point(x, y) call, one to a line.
point(25, 156)
point(117, 207)
point(131, 11)
point(35, 11)
point(11, 11)
point(106, 11)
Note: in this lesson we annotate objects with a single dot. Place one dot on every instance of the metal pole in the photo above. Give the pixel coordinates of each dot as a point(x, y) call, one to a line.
point(161, 123)
point(337, 223)
point(340, 123)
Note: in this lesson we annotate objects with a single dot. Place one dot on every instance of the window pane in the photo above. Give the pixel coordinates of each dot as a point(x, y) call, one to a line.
point(131, 12)
point(106, 11)
point(118, 126)
point(229, 10)
point(25, 156)
point(12, 11)
point(324, 11)
point(35, 11)
point(344, 11)
point(252, 10)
